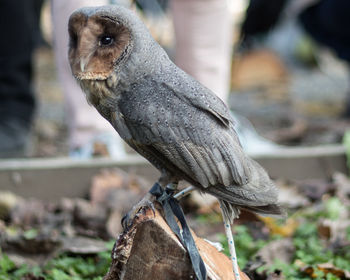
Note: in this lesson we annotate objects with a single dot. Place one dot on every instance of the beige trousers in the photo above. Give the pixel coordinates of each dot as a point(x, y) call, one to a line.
point(203, 34)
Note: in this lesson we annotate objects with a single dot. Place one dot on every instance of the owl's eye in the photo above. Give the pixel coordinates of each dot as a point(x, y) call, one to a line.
point(106, 40)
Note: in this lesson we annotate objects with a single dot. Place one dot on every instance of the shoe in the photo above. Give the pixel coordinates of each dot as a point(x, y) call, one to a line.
point(253, 143)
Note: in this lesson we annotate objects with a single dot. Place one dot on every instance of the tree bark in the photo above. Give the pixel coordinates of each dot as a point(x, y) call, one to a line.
point(150, 250)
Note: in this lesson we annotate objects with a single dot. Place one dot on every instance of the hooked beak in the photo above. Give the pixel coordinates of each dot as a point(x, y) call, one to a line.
point(83, 63)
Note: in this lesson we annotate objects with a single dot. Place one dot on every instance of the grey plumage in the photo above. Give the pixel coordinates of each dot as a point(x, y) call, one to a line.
point(176, 123)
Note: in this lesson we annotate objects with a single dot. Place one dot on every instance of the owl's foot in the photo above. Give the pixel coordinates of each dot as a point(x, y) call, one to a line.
point(146, 202)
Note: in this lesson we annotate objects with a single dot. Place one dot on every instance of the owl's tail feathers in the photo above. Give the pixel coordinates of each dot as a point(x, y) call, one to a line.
point(271, 210)
point(232, 211)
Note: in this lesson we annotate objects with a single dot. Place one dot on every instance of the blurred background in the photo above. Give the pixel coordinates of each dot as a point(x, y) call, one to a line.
point(290, 85)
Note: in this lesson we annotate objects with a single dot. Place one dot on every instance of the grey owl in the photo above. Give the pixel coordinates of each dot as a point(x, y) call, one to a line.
point(176, 123)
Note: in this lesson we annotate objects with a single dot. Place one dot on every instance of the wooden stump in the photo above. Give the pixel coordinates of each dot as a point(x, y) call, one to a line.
point(150, 250)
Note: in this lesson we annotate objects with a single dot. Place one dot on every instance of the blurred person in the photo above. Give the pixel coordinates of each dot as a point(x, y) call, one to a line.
point(203, 34)
point(19, 30)
point(203, 50)
point(326, 21)
point(87, 128)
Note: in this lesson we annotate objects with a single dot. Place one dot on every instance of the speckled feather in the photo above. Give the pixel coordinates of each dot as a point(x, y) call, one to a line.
point(176, 123)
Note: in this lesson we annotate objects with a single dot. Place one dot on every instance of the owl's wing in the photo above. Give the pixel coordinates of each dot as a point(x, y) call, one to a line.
point(193, 139)
point(195, 135)
point(191, 91)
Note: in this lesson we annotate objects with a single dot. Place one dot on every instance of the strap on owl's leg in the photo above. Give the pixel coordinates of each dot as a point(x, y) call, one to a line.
point(172, 209)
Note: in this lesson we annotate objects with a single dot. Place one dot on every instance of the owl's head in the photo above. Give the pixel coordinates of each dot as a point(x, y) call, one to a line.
point(98, 40)
point(109, 50)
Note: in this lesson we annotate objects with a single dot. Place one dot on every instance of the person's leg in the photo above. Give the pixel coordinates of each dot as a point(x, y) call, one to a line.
point(83, 120)
point(17, 26)
point(203, 32)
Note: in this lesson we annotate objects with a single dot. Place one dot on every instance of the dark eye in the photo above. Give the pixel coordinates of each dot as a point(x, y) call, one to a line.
point(106, 40)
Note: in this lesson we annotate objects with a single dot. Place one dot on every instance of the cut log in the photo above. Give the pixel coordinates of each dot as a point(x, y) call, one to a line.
point(150, 250)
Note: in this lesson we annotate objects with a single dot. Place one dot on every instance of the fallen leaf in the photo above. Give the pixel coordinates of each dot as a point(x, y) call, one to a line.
point(286, 229)
point(334, 230)
point(327, 268)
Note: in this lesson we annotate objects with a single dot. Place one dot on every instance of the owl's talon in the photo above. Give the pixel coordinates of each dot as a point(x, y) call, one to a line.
point(125, 221)
point(129, 217)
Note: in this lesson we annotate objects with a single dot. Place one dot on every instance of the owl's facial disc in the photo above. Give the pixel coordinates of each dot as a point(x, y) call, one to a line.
point(96, 44)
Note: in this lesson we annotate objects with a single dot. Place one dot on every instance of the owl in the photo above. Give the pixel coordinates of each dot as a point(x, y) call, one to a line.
point(176, 123)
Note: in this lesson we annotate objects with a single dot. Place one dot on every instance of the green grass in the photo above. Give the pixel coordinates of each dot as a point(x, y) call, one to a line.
point(64, 267)
point(310, 250)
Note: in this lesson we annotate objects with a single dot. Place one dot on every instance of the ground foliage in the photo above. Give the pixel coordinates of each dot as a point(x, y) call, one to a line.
point(63, 267)
point(312, 243)
point(316, 244)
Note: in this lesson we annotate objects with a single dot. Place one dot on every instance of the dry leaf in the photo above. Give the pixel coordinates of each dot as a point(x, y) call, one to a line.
point(287, 229)
point(327, 268)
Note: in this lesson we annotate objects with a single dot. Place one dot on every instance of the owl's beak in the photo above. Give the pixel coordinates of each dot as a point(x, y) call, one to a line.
point(83, 63)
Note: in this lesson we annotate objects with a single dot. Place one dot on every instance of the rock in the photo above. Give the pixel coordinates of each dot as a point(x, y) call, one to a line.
point(114, 226)
point(117, 189)
point(90, 219)
point(30, 242)
point(103, 183)
point(8, 201)
point(82, 245)
point(29, 213)
point(283, 250)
